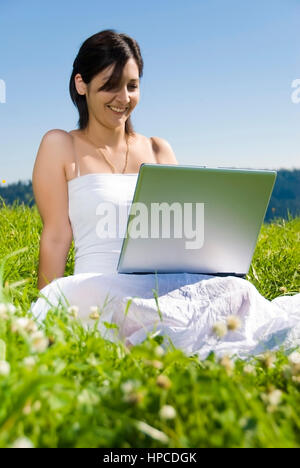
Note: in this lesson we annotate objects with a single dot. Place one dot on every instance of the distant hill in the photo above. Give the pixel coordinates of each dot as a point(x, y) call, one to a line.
point(18, 191)
point(285, 197)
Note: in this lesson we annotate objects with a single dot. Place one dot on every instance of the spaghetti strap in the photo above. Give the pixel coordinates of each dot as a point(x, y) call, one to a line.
point(77, 163)
point(76, 159)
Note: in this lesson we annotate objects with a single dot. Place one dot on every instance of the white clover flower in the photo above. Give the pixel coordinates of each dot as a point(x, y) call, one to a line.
point(87, 397)
point(31, 326)
point(233, 322)
point(94, 315)
point(275, 397)
point(134, 397)
point(4, 368)
point(39, 342)
point(249, 369)
point(226, 362)
point(24, 323)
point(27, 409)
point(272, 398)
point(29, 361)
point(127, 386)
point(220, 329)
point(154, 363)
point(19, 324)
point(11, 308)
point(3, 311)
point(73, 311)
point(159, 351)
point(22, 442)
point(157, 364)
point(294, 361)
point(163, 381)
point(167, 412)
point(267, 359)
point(294, 357)
point(37, 405)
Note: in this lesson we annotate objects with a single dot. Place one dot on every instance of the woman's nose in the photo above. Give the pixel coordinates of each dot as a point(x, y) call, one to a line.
point(123, 96)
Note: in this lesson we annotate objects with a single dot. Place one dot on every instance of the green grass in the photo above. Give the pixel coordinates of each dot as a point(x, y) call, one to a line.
point(69, 387)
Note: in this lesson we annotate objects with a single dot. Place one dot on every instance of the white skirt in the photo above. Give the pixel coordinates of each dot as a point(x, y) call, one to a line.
point(186, 309)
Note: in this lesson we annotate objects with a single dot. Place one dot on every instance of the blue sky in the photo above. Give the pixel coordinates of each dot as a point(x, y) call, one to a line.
point(216, 84)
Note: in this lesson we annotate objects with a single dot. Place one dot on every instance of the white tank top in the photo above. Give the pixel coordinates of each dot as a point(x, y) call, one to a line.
point(98, 208)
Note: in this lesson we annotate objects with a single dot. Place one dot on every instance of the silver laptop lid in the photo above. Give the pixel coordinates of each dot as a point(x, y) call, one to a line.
point(209, 222)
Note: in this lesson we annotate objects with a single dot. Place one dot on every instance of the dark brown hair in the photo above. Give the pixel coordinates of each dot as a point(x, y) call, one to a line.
point(97, 53)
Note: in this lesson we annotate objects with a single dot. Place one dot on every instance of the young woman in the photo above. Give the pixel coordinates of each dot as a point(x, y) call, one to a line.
point(76, 171)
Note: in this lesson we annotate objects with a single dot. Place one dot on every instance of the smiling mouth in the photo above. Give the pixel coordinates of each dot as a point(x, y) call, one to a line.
point(118, 110)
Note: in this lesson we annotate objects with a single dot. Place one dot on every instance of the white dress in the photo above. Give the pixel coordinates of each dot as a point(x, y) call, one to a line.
point(189, 304)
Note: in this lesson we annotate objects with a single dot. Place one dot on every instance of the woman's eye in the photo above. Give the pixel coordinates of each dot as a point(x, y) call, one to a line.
point(114, 90)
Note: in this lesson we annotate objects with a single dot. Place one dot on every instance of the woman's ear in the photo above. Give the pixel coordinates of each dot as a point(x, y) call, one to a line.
point(80, 84)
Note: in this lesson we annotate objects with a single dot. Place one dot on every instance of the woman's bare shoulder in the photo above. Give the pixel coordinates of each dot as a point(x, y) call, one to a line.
point(56, 148)
point(163, 151)
point(57, 134)
point(58, 142)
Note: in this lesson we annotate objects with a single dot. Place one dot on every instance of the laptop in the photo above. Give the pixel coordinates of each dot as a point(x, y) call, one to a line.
point(195, 219)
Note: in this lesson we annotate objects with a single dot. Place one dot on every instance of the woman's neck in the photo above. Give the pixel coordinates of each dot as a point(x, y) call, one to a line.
point(103, 136)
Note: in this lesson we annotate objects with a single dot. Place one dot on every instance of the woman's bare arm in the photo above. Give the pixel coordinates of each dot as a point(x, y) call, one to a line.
point(51, 196)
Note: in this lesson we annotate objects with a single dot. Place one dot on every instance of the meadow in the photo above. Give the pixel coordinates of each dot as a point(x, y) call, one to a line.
point(62, 385)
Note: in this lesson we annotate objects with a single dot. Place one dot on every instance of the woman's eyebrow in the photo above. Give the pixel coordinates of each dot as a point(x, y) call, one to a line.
point(105, 79)
point(132, 79)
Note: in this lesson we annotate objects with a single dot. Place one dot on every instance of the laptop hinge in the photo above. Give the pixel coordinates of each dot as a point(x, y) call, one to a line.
point(240, 275)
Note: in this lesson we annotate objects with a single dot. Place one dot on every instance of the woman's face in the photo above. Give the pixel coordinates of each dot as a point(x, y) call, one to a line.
point(124, 99)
